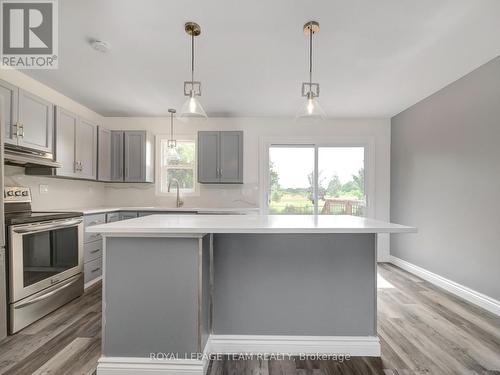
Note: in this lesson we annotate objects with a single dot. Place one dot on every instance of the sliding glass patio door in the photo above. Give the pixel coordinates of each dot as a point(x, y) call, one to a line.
point(316, 179)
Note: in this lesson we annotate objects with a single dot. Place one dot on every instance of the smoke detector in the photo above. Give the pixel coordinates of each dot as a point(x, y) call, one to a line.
point(100, 45)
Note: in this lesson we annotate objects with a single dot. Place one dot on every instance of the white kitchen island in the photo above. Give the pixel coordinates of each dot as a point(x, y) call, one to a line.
point(179, 286)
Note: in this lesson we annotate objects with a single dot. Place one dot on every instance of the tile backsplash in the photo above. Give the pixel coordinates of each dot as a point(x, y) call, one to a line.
point(56, 193)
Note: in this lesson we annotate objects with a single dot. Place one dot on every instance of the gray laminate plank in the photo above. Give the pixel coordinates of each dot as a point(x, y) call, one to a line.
point(422, 329)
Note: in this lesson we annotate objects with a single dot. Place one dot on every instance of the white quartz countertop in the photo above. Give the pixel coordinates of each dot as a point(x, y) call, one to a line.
point(97, 210)
point(200, 224)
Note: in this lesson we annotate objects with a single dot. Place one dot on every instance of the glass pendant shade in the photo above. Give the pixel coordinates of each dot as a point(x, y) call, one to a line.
point(192, 108)
point(311, 109)
point(172, 154)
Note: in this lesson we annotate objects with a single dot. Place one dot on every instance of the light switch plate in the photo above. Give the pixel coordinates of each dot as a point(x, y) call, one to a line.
point(44, 189)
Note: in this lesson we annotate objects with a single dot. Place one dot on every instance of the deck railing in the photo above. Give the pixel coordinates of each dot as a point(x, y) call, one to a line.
point(342, 206)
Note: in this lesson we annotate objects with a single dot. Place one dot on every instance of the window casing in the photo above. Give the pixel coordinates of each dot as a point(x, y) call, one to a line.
point(184, 170)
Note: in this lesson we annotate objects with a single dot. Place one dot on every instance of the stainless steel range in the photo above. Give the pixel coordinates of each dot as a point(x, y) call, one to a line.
point(45, 258)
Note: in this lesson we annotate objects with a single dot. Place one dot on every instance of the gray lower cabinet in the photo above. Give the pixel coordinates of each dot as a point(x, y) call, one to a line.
point(104, 154)
point(220, 157)
point(92, 248)
point(92, 270)
point(132, 156)
point(76, 146)
point(112, 217)
point(28, 119)
point(125, 215)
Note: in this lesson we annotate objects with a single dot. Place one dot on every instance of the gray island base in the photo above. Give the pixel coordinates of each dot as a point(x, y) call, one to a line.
point(178, 288)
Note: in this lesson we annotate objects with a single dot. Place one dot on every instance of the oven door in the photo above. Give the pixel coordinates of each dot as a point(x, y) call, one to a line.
point(43, 254)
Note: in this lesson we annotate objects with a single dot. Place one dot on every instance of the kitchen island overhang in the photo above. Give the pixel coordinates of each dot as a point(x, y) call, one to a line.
point(191, 284)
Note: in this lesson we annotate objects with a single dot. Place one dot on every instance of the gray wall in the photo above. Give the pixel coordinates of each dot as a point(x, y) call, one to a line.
point(445, 180)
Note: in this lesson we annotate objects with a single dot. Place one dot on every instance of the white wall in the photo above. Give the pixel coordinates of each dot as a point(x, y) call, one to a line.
point(62, 193)
point(256, 129)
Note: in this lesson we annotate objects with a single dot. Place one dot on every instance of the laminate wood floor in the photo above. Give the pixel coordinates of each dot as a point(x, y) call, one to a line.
point(423, 330)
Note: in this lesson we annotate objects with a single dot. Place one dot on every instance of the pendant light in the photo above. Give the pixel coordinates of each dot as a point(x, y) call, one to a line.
point(192, 89)
point(172, 153)
point(310, 90)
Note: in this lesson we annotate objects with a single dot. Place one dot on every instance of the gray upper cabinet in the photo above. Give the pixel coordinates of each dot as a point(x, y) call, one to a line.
point(116, 156)
point(220, 157)
point(65, 142)
point(104, 154)
point(28, 119)
point(9, 93)
point(132, 156)
point(76, 146)
point(208, 157)
point(231, 157)
point(36, 122)
point(86, 149)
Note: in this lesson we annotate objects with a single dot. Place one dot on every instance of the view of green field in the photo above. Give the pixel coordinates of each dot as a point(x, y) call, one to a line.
point(291, 184)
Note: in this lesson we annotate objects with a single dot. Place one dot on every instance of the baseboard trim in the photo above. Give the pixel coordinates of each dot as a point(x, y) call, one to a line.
point(368, 346)
point(92, 282)
point(459, 290)
point(147, 366)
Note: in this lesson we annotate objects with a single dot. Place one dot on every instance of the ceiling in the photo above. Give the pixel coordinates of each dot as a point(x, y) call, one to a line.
point(372, 58)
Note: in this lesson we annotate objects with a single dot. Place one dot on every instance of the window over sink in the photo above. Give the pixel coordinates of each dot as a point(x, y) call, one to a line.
point(184, 169)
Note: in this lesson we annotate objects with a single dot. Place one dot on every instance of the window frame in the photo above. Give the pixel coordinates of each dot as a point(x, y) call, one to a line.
point(317, 142)
point(161, 170)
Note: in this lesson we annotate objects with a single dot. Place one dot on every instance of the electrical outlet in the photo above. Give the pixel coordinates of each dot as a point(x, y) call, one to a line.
point(44, 189)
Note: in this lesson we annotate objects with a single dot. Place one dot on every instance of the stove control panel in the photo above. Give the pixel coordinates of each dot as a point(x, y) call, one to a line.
point(16, 194)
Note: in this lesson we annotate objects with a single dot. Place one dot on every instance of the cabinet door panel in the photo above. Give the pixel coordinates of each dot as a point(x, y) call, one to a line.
point(86, 149)
point(135, 156)
point(208, 157)
point(117, 156)
point(231, 157)
point(104, 154)
point(9, 93)
point(37, 121)
point(65, 142)
point(125, 215)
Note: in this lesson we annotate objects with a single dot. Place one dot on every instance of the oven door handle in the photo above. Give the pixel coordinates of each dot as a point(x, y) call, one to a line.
point(44, 227)
point(45, 295)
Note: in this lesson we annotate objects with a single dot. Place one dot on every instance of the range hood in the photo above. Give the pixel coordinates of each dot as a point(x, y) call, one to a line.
point(26, 158)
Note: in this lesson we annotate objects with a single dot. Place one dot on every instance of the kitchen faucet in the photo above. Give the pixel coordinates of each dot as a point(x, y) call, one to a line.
point(179, 201)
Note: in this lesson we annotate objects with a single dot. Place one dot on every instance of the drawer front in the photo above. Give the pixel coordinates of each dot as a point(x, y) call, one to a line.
point(92, 269)
point(112, 216)
point(92, 251)
point(90, 220)
point(125, 215)
point(91, 237)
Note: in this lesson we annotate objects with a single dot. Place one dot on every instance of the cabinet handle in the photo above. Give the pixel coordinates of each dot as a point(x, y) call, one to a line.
point(16, 125)
point(95, 251)
point(95, 269)
point(21, 126)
